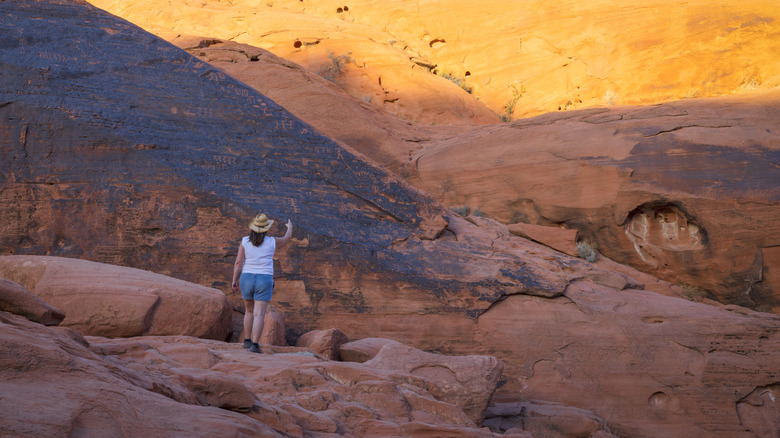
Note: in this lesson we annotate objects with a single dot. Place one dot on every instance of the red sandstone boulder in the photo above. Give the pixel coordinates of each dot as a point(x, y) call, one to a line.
point(466, 381)
point(54, 386)
point(112, 301)
point(610, 351)
point(216, 389)
point(545, 419)
point(300, 394)
point(364, 349)
point(324, 342)
point(274, 329)
point(15, 298)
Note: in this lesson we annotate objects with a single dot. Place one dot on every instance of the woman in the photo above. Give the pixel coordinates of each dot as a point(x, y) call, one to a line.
point(255, 265)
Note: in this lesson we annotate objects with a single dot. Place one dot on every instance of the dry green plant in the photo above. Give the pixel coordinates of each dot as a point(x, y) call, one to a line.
point(610, 97)
point(457, 80)
point(516, 91)
point(586, 250)
point(692, 292)
point(338, 64)
point(462, 211)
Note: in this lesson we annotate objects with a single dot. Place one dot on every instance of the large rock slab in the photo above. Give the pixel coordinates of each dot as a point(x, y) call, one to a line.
point(51, 385)
point(15, 298)
point(684, 190)
point(114, 301)
point(688, 367)
point(466, 381)
point(315, 396)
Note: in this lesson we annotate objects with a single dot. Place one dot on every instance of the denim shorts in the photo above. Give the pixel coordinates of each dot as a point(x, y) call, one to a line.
point(258, 287)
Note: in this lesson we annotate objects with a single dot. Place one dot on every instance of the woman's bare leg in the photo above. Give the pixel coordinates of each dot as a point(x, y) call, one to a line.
point(259, 316)
point(248, 317)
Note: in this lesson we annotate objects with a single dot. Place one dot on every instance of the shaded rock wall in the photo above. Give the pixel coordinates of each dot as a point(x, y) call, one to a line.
point(688, 191)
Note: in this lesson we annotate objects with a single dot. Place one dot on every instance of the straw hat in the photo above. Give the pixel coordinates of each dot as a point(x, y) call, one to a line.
point(261, 224)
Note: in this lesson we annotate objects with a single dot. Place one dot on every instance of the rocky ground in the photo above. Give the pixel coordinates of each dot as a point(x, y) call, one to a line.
point(59, 382)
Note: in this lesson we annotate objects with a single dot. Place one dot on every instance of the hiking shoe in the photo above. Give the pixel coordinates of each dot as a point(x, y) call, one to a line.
point(247, 343)
point(255, 348)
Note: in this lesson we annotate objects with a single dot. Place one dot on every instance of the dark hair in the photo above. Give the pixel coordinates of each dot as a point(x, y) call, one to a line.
point(256, 238)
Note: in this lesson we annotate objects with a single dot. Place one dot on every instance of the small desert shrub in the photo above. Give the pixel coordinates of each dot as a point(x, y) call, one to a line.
point(462, 211)
point(477, 212)
point(692, 292)
point(610, 97)
point(516, 91)
point(337, 66)
point(457, 80)
point(587, 250)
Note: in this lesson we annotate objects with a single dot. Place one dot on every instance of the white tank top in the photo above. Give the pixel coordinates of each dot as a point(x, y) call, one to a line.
point(259, 259)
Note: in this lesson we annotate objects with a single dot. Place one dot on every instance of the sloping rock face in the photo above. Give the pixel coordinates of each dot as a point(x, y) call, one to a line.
point(124, 149)
point(328, 106)
point(520, 58)
point(15, 298)
point(664, 365)
point(113, 301)
point(53, 385)
point(688, 191)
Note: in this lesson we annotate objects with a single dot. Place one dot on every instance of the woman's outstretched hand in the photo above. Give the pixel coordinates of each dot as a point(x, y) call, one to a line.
point(284, 240)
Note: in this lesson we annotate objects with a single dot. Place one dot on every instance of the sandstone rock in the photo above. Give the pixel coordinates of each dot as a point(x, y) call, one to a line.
point(561, 239)
point(618, 339)
point(15, 298)
point(274, 328)
point(276, 418)
point(302, 395)
point(551, 62)
point(467, 382)
point(216, 389)
point(53, 386)
point(163, 182)
point(105, 300)
point(349, 118)
point(324, 342)
point(357, 247)
point(544, 419)
point(364, 349)
point(759, 410)
point(657, 188)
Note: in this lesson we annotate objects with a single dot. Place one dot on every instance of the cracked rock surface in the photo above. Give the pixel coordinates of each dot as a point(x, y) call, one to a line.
point(687, 191)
